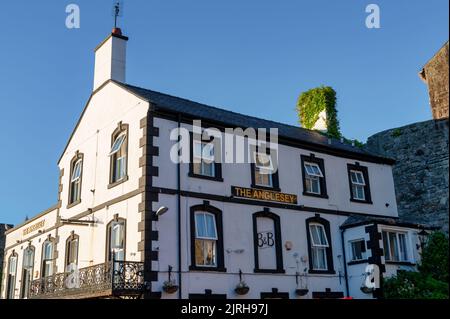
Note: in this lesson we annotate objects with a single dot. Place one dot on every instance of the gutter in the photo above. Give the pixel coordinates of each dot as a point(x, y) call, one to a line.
point(347, 290)
point(179, 214)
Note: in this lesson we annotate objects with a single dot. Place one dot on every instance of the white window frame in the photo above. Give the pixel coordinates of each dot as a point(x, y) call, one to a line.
point(358, 184)
point(118, 142)
point(263, 169)
point(312, 178)
point(204, 158)
point(48, 261)
point(363, 253)
point(213, 240)
point(319, 246)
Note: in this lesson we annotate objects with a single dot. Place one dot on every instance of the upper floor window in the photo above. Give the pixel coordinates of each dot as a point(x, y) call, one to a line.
point(116, 240)
point(313, 171)
point(76, 172)
point(358, 249)
point(264, 172)
point(27, 271)
point(359, 183)
point(395, 246)
point(72, 245)
point(118, 155)
point(11, 279)
point(319, 245)
point(203, 163)
point(47, 258)
point(206, 238)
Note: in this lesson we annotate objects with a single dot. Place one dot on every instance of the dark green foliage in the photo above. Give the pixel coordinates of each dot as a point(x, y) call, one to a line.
point(314, 101)
point(431, 282)
point(435, 257)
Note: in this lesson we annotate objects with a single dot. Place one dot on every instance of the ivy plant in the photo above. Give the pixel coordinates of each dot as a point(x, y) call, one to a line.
point(311, 103)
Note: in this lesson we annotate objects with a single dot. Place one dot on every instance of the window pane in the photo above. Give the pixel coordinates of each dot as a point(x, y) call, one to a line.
point(76, 173)
point(117, 235)
point(200, 225)
point(48, 250)
point(205, 252)
point(319, 258)
point(263, 177)
point(314, 235)
point(211, 226)
point(12, 265)
point(208, 152)
point(309, 169)
point(322, 236)
point(315, 185)
point(117, 144)
point(393, 246)
point(357, 250)
point(387, 254)
point(207, 169)
point(403, 250)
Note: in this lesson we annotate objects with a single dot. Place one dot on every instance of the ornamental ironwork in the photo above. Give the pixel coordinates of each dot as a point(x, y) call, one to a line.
point(111, 279)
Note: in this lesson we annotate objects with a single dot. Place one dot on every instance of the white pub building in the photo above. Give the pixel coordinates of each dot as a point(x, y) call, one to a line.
point(130, 222)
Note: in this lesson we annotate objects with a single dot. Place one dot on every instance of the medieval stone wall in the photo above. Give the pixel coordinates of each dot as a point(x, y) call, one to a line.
point(435, 74)
point(421, 171)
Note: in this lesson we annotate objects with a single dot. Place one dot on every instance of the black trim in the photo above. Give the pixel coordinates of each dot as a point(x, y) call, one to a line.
point(326, 224)
point(217, 165)
point(278, 248)
point(254, 202)
point(208, 295)
point(327, 294)
point(357, 262)
point(365, 172)
point(323, 181)
point(302, 144)
point(274, 294)
point(275, 179)
point(220, 251)
point(373, 244)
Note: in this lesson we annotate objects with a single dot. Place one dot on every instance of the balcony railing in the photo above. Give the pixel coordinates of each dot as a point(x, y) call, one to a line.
point(125, 279)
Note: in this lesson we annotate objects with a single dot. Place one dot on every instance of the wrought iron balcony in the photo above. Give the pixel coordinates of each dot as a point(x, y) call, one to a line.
point(125, 279)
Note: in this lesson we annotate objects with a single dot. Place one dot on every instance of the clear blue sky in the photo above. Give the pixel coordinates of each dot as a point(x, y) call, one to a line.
point(252, 56)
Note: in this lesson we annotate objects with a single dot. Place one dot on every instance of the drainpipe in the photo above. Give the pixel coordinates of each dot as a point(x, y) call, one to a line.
point(179, 211)
point(345, 263)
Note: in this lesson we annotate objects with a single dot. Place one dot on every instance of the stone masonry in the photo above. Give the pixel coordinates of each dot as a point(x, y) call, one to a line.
point(435, 74)
point(421, 171)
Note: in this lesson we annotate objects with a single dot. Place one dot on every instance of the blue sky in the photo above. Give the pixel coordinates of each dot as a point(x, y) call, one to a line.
point(252, 56)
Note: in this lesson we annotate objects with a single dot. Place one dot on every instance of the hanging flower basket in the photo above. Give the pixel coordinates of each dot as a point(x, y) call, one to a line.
point(301, 292)
point(170, 287)
point(242, 288)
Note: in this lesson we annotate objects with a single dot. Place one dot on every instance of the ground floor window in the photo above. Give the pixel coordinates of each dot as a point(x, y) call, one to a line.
point(395, 246)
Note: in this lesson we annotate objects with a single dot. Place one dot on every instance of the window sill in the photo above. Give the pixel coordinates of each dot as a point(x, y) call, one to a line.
point(199, 268)
point(210, 178)
point(357, 262)
point(269, 271)
point(73, 204)
point(267, 188)
point(123, 180)
point(322, 272)
point(400, 263)
point(315, 195)
point(361, 201)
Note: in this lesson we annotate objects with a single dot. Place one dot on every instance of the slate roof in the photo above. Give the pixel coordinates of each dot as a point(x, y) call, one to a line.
point(358, 220)
point(202, 111)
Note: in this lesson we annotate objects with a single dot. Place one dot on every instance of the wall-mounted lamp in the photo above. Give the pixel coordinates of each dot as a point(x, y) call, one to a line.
point(161, 211)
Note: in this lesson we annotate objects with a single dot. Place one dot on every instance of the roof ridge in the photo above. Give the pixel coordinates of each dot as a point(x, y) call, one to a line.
point(234, 112)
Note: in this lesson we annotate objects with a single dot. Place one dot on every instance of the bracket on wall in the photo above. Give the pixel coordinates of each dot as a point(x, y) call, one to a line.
point(78, 222)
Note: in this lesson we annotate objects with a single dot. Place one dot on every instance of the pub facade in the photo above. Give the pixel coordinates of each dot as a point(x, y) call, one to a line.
point(303, 219)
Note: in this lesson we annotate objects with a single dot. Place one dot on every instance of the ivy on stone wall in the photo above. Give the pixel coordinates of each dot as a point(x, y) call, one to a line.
point(314, 101)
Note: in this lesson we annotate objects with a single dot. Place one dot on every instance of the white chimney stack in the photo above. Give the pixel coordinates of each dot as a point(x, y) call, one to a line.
point(110, 59)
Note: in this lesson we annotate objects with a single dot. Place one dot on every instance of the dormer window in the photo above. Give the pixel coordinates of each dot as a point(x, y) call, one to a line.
point(118, 155)
point(76, 174)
